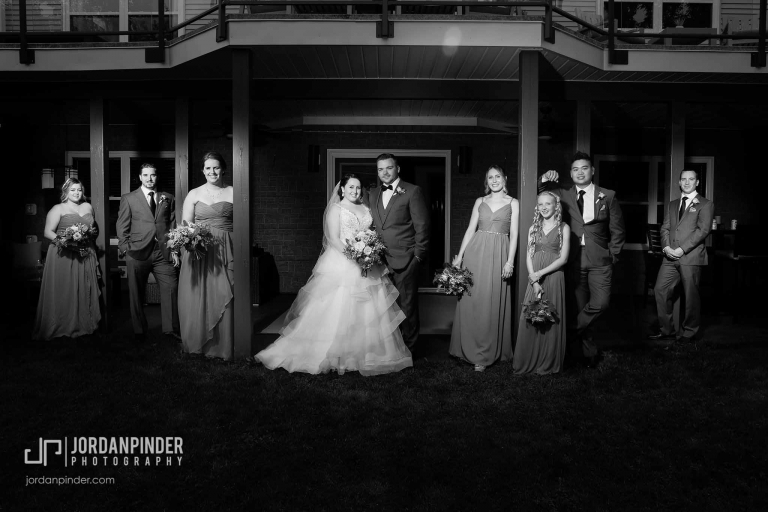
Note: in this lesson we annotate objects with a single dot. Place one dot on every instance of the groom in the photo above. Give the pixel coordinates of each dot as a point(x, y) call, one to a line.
point(402, 219)
point(144, 218)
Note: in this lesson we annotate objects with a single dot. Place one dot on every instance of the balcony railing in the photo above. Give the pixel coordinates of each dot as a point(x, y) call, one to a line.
point(25, 21)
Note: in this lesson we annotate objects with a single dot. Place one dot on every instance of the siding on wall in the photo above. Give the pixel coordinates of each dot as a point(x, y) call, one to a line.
point(739, 7)
point(42, 16)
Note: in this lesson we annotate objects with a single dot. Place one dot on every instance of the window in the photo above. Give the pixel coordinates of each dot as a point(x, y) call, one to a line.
point(642, 189)
point(656, 15)
point(115, 15)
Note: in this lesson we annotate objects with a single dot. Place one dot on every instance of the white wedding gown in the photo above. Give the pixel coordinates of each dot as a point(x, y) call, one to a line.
point(340, 320)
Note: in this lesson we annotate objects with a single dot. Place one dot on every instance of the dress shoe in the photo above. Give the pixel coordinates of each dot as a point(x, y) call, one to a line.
point(173, 334)
point(660, 337)
point(479, 368)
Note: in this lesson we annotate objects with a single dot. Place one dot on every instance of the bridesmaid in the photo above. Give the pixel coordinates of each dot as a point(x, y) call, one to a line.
point(542, 350)
point(206, 285)
point(482, 325)
point(69, 291)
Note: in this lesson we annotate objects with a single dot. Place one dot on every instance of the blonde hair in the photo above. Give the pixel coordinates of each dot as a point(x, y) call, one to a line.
point(65, 188)
point(537, 231)
point(503, 175)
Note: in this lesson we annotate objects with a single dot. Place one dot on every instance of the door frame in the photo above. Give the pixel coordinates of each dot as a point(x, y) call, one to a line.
point(445, 154)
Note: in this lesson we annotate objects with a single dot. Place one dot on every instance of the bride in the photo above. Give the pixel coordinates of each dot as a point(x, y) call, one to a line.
point(340, 320)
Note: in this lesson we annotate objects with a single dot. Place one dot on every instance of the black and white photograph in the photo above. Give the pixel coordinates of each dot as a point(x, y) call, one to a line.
point(378, 255)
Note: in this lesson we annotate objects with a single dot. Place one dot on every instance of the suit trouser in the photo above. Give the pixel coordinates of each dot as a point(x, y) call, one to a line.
point(670, 275)
point(406, 282)
point(591, 295)
point(167, 280)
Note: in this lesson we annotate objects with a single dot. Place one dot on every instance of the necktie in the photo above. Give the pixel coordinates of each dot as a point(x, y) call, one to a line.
point(386, 187)
point(580, 201)
point(682, 207)
point(152, 204)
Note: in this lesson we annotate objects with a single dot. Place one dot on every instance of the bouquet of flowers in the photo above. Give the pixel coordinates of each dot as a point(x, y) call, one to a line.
point(540, 313)
point(195, 238)
point(454, 280)
point(77, 237)
point(366, 249)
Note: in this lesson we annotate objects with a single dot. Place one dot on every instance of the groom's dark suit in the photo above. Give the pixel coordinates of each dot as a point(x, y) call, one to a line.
point(404, 226)
point(590, 268)
point(689, 234)
point(141, 236)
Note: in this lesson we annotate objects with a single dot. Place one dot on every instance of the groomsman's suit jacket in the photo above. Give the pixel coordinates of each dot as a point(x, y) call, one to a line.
point(137, 229)
point(603, 236)
point(404, 224)
point(690, 231)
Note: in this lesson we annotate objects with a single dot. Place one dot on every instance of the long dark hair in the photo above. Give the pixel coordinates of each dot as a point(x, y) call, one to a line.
point(344, 181)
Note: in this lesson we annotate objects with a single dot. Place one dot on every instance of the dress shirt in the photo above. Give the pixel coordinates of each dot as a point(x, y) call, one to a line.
point(146, 192)
point(386, 195)
point(688, 203)
point(589, 205)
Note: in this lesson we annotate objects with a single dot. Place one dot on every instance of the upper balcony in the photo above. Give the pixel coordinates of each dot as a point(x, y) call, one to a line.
point(604, 40)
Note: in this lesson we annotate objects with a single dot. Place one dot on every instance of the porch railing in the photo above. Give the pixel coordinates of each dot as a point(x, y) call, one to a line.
point(607, 31)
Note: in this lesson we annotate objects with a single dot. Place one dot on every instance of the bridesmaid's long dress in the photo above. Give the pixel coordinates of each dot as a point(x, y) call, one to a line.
point(206, 290)
point(69, 290)
point(542, 350)
point(482, 325)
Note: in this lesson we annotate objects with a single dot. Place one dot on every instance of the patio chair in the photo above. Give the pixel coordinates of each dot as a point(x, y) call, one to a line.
point(653, 258)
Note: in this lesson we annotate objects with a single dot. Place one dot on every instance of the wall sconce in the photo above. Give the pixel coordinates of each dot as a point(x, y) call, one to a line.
point(70, 172)
point(47, 177)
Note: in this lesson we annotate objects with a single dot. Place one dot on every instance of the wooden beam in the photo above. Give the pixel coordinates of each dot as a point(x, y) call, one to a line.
point(527, 163)
point(675, 162)
point(241, 172)
point(583, 141)
point(183, 153)
point(675, 148)
point(99, 125)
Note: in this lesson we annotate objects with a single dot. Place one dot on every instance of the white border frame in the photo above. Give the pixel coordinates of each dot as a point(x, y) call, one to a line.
point(445, 154)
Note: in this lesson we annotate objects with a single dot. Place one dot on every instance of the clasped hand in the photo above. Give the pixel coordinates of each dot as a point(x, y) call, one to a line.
point(673, 254)
point(550, 176)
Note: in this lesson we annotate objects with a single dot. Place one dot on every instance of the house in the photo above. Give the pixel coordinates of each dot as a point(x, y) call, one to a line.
point(295, 95)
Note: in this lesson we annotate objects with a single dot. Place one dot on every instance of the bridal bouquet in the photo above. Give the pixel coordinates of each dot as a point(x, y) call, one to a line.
point(77, 237)
point(455, 280)
point(540, 312)
point(366, 249)
point(195, 238)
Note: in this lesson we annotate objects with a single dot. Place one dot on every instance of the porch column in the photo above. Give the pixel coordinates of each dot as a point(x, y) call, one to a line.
point(241, 165)
point(183, 151)
point(583, 140)
point(675, 160)
point(527, 163)
point(99, 125)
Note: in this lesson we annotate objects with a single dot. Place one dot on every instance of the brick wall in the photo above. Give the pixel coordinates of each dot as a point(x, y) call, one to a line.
point(288, 201)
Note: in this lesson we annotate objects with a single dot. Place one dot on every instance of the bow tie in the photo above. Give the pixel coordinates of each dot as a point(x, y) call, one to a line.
point(386, 187)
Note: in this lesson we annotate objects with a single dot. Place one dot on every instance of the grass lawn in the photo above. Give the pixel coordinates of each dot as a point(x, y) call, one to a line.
point(667, 428)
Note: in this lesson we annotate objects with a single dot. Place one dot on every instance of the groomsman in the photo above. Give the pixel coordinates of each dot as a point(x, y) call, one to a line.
point(597, 237)
point(687, 222)
point(144, 218)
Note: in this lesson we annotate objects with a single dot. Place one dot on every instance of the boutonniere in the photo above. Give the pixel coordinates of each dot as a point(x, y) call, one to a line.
point(695, 200)
point(600, 196)
point(162, 199)
point(398, 191)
